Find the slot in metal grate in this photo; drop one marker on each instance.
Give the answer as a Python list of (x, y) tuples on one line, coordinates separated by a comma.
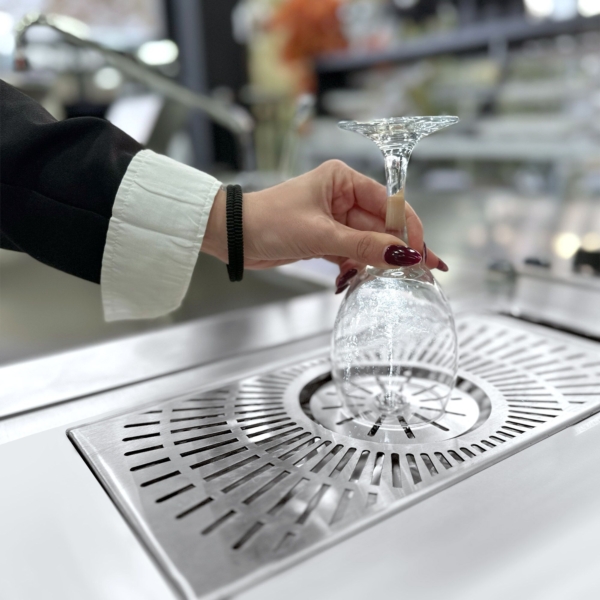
[(227, 486)]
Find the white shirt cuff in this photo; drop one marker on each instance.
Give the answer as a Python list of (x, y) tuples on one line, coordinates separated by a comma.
[(154, 236)]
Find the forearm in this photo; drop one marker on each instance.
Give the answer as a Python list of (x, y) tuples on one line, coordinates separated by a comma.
[(59, 181), (82, 196)]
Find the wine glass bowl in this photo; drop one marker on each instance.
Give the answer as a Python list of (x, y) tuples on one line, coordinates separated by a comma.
[(394, 351), (394, 348)]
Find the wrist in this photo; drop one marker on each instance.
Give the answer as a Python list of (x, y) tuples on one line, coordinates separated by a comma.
[(215, 236)]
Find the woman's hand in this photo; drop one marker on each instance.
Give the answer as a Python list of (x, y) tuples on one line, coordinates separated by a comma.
[(331, 212)]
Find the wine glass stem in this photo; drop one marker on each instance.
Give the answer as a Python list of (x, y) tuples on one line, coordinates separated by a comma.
[(396, 163)]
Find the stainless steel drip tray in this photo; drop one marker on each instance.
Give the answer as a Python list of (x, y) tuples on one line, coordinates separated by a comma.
[(227, 486)]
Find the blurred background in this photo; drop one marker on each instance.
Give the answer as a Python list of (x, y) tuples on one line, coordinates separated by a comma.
[(515, 185)]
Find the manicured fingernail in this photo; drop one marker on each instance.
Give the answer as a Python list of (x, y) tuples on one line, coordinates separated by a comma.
[(442, 266), (401, 256), (341, 288), (424, 252), (344, 278)]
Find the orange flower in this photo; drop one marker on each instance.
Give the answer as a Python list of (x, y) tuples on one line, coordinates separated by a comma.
[(313, 28)]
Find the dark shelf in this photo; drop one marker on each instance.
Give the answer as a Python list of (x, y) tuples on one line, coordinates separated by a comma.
[(465, 39)]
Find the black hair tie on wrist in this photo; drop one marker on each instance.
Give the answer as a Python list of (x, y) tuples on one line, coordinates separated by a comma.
[(235, 234)]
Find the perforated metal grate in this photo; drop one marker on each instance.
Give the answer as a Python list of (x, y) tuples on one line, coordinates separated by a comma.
[(228, 485)]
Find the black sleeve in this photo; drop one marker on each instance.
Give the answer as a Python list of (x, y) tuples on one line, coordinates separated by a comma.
[(58, 183)]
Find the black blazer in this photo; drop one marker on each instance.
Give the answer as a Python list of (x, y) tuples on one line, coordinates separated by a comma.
[(58, 183)]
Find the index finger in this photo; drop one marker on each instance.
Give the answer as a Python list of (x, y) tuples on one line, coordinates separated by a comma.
[(369, 194)]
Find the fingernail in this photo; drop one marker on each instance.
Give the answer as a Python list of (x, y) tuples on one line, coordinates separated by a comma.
[(344, 278), (341, 288), (401, 256), (424, 252), (442, 266)]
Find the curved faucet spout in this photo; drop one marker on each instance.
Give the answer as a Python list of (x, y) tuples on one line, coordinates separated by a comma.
[(234, 118)]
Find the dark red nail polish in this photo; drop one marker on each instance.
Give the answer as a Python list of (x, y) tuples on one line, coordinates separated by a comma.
[(424, 252), (442, 266), (341, 288), (344, 278), (401, 256)]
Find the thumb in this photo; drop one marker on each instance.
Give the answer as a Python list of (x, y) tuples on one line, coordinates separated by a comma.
[(368, 247)]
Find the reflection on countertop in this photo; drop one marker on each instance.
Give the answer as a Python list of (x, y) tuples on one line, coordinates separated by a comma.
[(43, 310)]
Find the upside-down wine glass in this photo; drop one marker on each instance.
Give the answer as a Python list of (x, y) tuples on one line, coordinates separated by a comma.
[(394, 350)]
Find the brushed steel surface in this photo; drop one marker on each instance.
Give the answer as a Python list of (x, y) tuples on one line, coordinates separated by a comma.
[(72, 375), (129, 397), (527, 528), (230, 485), (571, 301)]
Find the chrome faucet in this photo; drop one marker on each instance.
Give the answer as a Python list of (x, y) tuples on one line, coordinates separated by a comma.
[(233, 117)]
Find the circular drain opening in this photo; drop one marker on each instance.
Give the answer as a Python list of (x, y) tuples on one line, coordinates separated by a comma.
[(412, 398), (468, 408)]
